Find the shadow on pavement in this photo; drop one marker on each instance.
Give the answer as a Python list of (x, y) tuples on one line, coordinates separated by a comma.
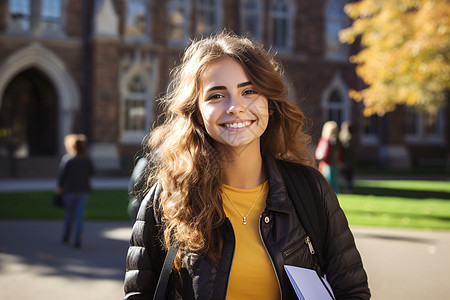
[(38, 245)]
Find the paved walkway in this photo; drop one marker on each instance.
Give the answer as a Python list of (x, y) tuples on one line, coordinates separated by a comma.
[(401, 264), (35, 265)]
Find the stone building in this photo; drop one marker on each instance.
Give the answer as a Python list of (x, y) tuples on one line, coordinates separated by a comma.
[(97, 67)]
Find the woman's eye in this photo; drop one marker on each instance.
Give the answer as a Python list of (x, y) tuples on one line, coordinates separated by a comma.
[(250, 92), (214, 97)]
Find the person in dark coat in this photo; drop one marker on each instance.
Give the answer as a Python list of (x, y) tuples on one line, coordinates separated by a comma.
[(347, 142), (216, 187), (75, 171)]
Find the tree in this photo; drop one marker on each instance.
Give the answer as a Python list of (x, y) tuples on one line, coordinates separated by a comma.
[(405, 56)]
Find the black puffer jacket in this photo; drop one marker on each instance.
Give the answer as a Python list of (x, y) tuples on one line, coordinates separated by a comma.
[(284, 239)]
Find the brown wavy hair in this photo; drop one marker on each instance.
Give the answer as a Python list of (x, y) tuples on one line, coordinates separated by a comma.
[(184, 158), (76, 144)]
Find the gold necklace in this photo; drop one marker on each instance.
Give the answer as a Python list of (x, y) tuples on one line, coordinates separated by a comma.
[(244, 219)]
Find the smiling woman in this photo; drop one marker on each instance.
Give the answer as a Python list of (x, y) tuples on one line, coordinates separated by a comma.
[(217, 188)]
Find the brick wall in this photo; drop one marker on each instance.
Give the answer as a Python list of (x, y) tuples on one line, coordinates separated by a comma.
[(105, 95)]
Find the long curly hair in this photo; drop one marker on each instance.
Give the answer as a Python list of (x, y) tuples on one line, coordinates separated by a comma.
[(184, 158)]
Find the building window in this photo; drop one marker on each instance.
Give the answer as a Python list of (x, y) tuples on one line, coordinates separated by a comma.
[(138, 77), (208, 17), (251, 18), (281, 12), (335, 102), (371, 129), (20, 14), (136, 106), (51, 15), (47, 15), (336, 20), (178, 12), (137, 19), (335, 107), (424, 127)]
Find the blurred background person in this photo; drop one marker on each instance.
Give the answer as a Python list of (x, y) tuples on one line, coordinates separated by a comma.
[(347, 145), (327, 153), (75, 171), (135, 185)]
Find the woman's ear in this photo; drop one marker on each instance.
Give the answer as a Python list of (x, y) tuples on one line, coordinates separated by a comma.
[(271, 107)]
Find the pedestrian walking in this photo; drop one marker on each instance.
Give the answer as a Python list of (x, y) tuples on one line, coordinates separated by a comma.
[(75, 171)]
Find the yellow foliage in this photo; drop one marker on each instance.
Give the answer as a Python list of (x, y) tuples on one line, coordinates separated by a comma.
[(405, 56)]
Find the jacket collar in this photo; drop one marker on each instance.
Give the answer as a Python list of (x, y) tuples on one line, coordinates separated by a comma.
[(277, 199)]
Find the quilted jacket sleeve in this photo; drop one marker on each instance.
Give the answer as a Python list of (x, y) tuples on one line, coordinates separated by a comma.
[(344, 266), (145, 256)]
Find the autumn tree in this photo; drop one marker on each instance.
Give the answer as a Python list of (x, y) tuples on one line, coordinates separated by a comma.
[(405, 53)]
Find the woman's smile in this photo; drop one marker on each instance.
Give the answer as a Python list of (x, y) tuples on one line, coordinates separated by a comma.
[(237, 124)]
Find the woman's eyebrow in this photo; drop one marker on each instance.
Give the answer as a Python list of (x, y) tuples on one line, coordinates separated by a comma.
[(244, 84), (215, 88), (221, 87)]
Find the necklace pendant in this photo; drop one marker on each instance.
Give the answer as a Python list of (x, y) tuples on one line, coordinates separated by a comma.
[(244, 221)]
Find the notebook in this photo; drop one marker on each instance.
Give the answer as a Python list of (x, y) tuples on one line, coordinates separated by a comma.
[(308, 285)]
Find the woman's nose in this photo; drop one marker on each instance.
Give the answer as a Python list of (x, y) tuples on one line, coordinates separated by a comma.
[(235, 106)]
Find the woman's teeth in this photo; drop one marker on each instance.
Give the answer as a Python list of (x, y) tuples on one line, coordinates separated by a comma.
[(238, 125)]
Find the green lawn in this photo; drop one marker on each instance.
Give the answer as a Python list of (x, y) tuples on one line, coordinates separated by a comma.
[(409, 204), (395, 203), (102, 205)]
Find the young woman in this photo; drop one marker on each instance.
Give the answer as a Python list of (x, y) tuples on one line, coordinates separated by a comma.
[(75, 171), (217, 187)]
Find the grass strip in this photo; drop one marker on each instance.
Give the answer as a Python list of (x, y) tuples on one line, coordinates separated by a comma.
[(398, 203), (383, 203), (102, 205)]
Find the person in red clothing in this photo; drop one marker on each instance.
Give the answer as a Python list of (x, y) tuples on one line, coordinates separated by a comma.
[(328, 154)]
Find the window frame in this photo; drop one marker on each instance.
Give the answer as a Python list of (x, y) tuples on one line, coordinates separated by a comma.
[(12, 27), (372, 137), (340, 20), (289, 18), (129, 97), (146, 67), (36, 19), (145, 36), (256, 13), (60, 25), (216, 9), (420, 136), (185, 6), (337, 84)]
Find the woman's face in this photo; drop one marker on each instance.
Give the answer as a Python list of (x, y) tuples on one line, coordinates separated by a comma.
[(232, 110)]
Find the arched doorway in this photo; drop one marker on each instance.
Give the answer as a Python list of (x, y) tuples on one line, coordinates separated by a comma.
[(29, 114)]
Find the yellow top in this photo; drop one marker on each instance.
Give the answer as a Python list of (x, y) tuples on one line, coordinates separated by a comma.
[(252, 273)]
